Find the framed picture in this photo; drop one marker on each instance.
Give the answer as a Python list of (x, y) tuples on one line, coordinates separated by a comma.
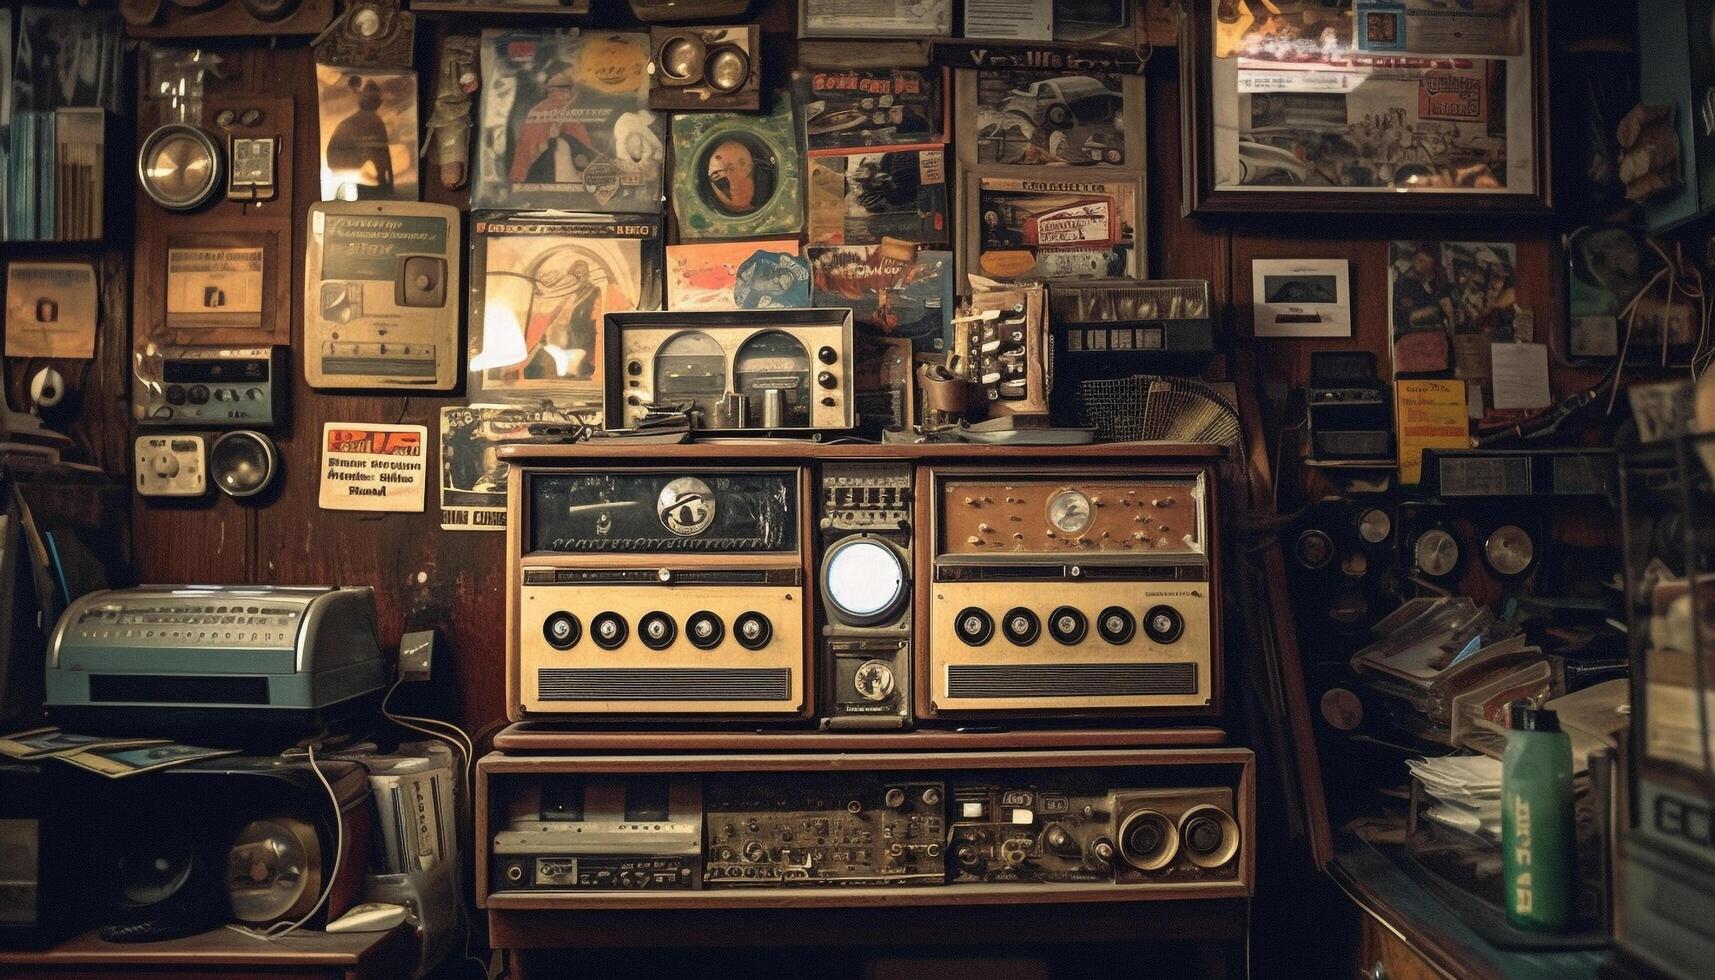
[(1365, 106), (1301, 297)]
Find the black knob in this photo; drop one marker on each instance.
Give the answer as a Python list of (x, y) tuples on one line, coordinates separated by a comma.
[(1068, 625), (1163, 624), (562, 630), (175, 395), (634, 368), (1116, 625), (1203, 835), (827, 355), (609, 631), (1057, 839), (198, 394), (974, 626), (752, 630), (1021, 626), (705, 630), (827, 380), (657, 630)]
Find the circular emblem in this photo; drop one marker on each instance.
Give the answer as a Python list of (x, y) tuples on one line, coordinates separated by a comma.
[(686, 506), (873, 680)]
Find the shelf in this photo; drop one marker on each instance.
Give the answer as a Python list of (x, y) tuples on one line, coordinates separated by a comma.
[(357, 953), (724, 760), (540, 737), (741, 448), (868, 896)]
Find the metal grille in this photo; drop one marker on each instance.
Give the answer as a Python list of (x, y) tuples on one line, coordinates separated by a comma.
[(1069, 680), (664, 684)]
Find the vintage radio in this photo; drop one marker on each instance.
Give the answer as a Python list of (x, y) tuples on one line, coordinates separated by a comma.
[(864, 581), (1001, 349), (567, 833), (172, 466), (210, 387), (1348, 409), (659, 591), (705, 68), (1069, 591), (830, 830), (746, 370), (381, 295), (1072, 833), (1115, 328), (1519, 473)]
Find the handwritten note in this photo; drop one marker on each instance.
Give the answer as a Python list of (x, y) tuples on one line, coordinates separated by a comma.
[(1428, 415), (1520, 376)]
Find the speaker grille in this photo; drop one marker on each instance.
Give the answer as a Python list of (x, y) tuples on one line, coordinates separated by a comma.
[(664, 684), (1069, 680)]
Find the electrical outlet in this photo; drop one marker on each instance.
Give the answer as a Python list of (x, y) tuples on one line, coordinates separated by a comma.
[(416, 654)]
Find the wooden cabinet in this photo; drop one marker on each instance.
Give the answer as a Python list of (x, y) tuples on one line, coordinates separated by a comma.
[(1381, 955)]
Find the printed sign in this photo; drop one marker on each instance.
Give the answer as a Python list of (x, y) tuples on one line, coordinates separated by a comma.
[(373, 467)]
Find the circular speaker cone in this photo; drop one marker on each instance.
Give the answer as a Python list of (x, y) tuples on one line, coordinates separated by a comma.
[(1210, 834), (151, 876), (179, 167), (682, 58), (1148, 840), (863, 580), (727, 69), (243, 462), (274, 870)]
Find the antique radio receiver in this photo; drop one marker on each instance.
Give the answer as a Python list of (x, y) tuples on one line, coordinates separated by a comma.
[(767, 370), (209, 387), (851, 830), (1110, 328), (1001, 348), (568, 834), (381, 297), (1069, 591), (864, 579), (658, 591), (1348, 408)]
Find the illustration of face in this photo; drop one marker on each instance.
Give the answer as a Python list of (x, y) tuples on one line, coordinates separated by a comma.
[(732, 173), (1422, 264), (580, 272)]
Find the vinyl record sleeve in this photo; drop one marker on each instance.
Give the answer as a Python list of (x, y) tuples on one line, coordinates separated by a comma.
[(893, 290), (860, 198), (737, 276), (737, 176), (565, 123), (540, 285)]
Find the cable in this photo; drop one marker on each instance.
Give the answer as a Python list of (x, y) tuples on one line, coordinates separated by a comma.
[(274, 931)]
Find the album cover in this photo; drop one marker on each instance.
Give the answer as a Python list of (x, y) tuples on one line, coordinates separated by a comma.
[(368, 133), (565, 123), (1034, 119), (540, 286), (737, 276), (473, 476), (871, 107), (862, 198), (52, 309), (737, 176), (1038, 229), (893, 290)]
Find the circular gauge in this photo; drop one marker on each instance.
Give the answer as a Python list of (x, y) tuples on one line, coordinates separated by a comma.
[(727, 69), (1314, 549), (1070, 512), (686, 506), (681, 58), (1354, 565), (863, 580), (1374, 525), (1341, 709), (273, 871), (1509, 550), (772, 370), (1436, 552), (179, 167), (873, 680)]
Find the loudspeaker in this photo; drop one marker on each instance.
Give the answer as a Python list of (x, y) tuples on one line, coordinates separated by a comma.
[(243, 463)]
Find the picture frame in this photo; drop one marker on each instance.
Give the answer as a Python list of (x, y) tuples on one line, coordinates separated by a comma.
[(1301, 297), (1393, 130)]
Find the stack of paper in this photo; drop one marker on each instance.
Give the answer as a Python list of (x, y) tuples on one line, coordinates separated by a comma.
[(1467, 791)]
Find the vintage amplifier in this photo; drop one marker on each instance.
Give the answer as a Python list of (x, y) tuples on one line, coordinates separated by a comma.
[(1115, 328), (838, 830), (233, 662), (864, 573), (210, 387), (785, 371), (1349, 410), (566, 833), (658, 591), (1069, 591), (1519, 473)]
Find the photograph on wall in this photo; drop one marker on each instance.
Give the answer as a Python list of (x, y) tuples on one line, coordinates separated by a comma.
[(862, 198), (753, 275), (871, 107), (1036, 229), (737, 175), (211, 287), (368, 133), (52, 309), (1447, 302), (1471, 27), (473, 476), (1301, 298), (565, 123), (540, 286), (1055, 120), (893, 289)]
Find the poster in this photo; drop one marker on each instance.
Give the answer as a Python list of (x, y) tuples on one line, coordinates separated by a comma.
[(893, 290), (214, 287), (1429, 414), (473, 477), (737, 276), (1447, 302), (373, 466), (871, 107), (861, 198), (51, 309), (1049, 120), (368, 133), (1054, 229)]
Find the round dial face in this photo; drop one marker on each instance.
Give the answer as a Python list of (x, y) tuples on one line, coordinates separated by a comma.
[(1070, 512), (873, 680), (686, 506), (1436, 552), (1374, 525), (864, 580), (1313, 549), (179, 167), (1509, 549)]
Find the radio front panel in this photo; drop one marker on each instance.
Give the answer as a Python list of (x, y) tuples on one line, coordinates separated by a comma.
[(1069, 516)]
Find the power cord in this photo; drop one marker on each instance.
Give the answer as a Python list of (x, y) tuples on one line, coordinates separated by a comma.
[(275, 932)]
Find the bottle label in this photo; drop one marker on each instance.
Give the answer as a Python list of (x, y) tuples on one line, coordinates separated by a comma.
[(1522, 902)]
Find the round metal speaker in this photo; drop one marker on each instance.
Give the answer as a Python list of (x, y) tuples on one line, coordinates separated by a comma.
[(682, 58), (863, 580), (179, 167), (274, 870), (243, 463), (726, 69)]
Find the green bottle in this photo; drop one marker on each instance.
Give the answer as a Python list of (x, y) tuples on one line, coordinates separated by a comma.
[(1537, 836)]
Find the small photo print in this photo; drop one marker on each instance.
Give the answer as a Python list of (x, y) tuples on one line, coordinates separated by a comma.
[(368, 134)]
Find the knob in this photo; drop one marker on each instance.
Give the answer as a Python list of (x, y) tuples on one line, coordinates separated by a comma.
[(705, 630), (562, 630), (198, 394), (1203, 835), (827, 380), (1021, 626), (1057, 839), (1101, 852), (1116, 625), (894, 798), (974, 626), (166, 465), (657, 630), (175, 395), (754, 851), (967, 856), (609, 631), (753, 630), (827, 355), (1163, 624), (1068, 625), (931, 796), (254, 394)]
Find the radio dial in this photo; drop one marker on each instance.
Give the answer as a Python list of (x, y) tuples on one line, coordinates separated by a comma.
[(705, 630), (1021, 626), (562, 630), (609, 631), (198, 394), (657, 630), (753, 630), (1068, 625), (1163, 624), (974, 626), (1116, 625)]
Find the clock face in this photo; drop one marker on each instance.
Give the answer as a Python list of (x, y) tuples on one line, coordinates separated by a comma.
[(1509, 550), (1070, 512), (1374, 525), (1436, 553)]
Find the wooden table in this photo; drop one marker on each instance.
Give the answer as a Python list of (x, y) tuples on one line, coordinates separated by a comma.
[(222, 954)]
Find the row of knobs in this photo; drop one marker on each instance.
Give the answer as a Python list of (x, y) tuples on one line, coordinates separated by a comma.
[(1069, 626), (199, 395), (657, 630)]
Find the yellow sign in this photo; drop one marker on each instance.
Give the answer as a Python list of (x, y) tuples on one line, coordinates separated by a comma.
[(1428, 415)]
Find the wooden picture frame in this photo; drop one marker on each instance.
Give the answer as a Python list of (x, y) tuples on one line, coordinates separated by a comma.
[(1442, 167)]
